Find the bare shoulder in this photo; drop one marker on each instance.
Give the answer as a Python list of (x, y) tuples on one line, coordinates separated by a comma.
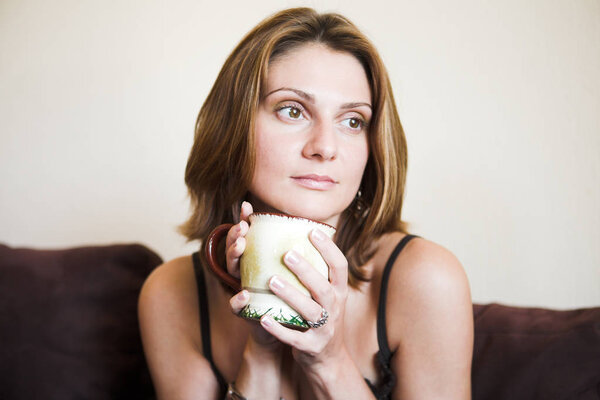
[(171, 286), (428, 283), (427, 269), (430, 320), (169, 326)]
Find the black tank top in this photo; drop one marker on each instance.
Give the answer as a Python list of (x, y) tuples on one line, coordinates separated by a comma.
[(383, 390)]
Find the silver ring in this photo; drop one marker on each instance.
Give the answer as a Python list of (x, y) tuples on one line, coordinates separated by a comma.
[(321, 321)]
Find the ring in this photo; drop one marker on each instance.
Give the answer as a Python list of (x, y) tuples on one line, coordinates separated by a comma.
[(321, 321)]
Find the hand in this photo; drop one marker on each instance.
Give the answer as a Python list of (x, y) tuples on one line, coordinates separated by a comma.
[(316, 345), (235, 246)]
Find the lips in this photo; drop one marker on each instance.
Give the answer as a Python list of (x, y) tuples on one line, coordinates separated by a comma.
[(316, 182)]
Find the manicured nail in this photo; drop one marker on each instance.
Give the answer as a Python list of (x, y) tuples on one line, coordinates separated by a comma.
[(266, 321), (243, 295), (291, 257), (245, 204), (317, 234), (276, 283)]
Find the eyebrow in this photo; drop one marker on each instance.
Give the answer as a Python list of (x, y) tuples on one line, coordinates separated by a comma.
[(310, 98)]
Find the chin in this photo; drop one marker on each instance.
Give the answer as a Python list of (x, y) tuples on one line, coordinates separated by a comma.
[(315, 212), (322, 209)]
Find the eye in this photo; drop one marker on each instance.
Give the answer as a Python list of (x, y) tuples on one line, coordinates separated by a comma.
[(290, 111), (355, 123)]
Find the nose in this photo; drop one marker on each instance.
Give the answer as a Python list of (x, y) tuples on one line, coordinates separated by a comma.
[(321, 142)]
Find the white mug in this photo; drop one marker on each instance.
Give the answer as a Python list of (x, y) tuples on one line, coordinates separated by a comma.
[(270, 236)]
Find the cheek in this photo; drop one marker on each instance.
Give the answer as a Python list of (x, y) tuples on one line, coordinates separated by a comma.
[(269, 159), (359, 161), (263, 167), (275, 150), (263, 150)]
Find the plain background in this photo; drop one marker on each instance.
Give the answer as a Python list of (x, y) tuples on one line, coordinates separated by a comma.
[(500, 102)]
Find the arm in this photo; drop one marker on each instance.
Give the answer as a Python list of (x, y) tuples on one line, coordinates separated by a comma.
[(430, 324), (172, 342), (170, 337), (321, 352), (259, 375), (168, 315)]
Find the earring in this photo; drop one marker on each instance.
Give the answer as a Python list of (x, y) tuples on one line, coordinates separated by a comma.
[(359, 201), (360, 208)]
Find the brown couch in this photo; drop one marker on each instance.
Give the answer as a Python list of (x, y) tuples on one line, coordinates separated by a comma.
[(68, 330), (535, 353)]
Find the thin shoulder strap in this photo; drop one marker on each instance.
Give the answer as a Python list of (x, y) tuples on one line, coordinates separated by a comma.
[(382, 339), (204, 317)]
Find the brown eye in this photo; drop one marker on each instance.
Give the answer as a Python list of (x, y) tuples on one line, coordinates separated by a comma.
[(354, 123), (290, 112), (294, 113)]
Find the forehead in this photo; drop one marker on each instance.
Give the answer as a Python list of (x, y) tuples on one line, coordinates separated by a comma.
[(317, 69)]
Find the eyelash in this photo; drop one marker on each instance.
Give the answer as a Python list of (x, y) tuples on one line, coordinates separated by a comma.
[(362, 122), (291, 106)]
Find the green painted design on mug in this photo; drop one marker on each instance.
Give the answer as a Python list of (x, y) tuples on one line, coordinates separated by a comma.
[(294, 320)]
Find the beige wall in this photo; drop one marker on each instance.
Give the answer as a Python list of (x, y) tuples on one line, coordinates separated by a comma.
[(500, 101)]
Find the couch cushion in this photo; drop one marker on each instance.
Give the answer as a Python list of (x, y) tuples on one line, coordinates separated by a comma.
[(69, 325), (535, 353)]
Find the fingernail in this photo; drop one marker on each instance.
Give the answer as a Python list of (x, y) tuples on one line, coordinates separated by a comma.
[(291, 257), (317, 234), (276, 283), (266, 321), (243, 295)]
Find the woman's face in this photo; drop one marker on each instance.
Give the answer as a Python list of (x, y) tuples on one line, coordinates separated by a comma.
[(311, 134)]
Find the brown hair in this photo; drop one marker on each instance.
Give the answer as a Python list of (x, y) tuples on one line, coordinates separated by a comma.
[(221, 163)]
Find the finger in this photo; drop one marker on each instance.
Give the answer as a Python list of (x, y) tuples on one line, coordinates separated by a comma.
[(333, 256), (285, 335), (245, 211), (300, 302), (239, 301), (233, 254), (235, 232), (317, 284)]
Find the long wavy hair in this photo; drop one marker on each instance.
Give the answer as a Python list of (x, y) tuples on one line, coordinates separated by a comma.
[(221, 162)]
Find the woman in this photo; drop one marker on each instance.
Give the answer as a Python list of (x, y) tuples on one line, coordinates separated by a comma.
[(301, 120)]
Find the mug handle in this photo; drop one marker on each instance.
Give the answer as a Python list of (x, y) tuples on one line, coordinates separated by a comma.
[(210, 251)]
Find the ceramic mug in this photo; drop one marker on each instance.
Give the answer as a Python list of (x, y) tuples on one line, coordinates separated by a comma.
[(270, 236)]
